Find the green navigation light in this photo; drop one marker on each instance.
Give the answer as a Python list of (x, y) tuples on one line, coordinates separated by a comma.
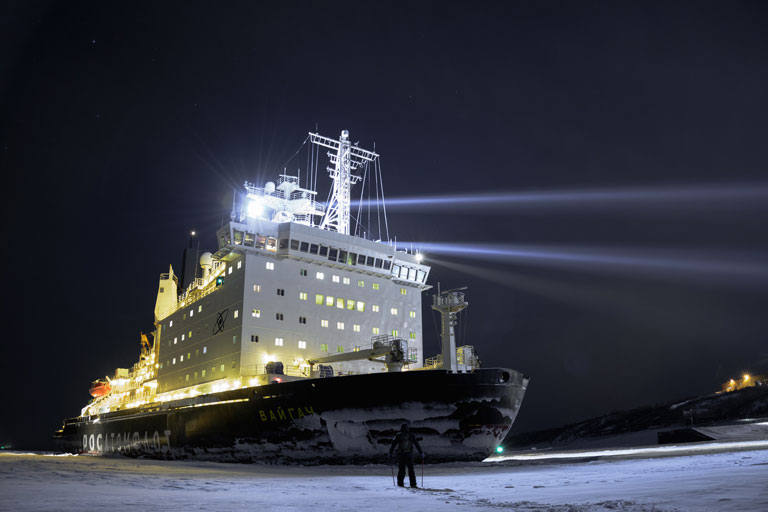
[(219, 281), (499, 449)]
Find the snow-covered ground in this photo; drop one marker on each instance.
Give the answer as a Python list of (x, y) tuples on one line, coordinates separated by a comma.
[(724, 480)]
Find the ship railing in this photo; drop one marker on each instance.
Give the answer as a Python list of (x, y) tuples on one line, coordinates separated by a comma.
[(434, 362)]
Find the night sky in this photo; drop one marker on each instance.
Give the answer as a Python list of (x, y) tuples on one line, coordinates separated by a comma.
[(124, 125)]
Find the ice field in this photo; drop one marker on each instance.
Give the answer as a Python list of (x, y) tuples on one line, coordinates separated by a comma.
[(685, 480)]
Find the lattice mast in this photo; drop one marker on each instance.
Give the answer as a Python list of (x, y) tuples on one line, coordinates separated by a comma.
[(347, 158)]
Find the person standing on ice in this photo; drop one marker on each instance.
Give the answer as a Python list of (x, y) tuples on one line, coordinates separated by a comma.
[(404, 443)]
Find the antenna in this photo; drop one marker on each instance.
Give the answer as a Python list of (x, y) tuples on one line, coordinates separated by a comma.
[(345, 159)]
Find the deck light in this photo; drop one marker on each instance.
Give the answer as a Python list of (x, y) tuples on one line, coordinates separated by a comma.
[(255, 208)]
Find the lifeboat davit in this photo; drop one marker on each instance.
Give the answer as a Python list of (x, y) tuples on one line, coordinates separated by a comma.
[(100, 388)]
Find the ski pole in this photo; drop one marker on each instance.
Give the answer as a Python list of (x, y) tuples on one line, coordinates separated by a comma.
[(422, 470), (392, 467)]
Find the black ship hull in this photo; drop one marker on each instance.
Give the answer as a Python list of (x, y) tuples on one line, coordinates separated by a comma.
[(456, 416)]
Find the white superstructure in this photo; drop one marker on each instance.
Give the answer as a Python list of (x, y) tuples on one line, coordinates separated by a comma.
[(289, 284)]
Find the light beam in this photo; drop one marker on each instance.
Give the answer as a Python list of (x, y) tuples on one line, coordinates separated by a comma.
[(733, 195), (670, 263)]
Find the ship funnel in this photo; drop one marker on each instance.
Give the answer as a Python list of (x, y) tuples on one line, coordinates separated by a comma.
[(167, 295), (206, 261)]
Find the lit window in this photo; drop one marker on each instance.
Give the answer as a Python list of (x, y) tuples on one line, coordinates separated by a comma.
[(202, 373), (319, 299), (375, 330), (413, 335), (403, 291), (323, 347), (229, 271), (302, 295), (279, 342), (256, 313), (181, 358), (170, 324), (335, 279), (239, 264), (189, 355), (222, 367), (270, 265), (361, 306), (187, 378), (329, 301), (375, 308), (257, 288), (182, 337), (175, 340), (205, 350), (174, 360), (412, 314), (191, 313), (361, 284), (237, 313), (302, 344), (339, 348), (350, 304), (200, 308), (375, 286), (345, 280), (393, 311), (323, 323), (234, 339), (340, 303), (189, 334), (320, 275), (356, 327), (394, 332), (340, 325)]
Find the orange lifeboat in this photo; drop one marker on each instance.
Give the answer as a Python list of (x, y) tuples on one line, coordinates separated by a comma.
[(100, 387)]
